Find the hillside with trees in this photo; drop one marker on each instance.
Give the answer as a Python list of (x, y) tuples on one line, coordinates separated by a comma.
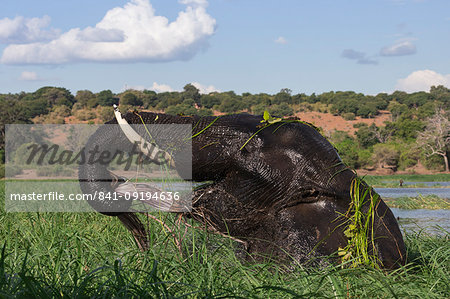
[(413, 136)]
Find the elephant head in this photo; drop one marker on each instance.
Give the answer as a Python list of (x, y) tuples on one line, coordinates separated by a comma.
[(281, 188)]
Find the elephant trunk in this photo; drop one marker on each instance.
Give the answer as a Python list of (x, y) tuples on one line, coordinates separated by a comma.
[(385, 238)]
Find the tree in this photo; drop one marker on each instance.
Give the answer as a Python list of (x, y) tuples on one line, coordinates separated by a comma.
[(230, 103), (282, 109), (299, 98), (396, 109), (442, 94), (367, 110), (56, 96), (104, 98), (12, 113), (284, 96), (150, 99), (191, 92), (83, 97), (408, 127), (106, 113), (416, 99), (209, 100), (36, 107), (131, 99), (347, 149), (366, 136), (435, 139), (383, 134), (386, 156)]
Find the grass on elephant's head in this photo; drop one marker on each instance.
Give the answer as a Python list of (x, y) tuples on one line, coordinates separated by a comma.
[(91, 255), (359, 223)]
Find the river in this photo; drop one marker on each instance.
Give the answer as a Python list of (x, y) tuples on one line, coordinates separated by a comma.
[(428, 221), (436, 222)]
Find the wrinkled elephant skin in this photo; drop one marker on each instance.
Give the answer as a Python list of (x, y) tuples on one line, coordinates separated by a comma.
[(283, 193)]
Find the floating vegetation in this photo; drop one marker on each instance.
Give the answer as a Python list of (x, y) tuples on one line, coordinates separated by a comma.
[(431, 202)]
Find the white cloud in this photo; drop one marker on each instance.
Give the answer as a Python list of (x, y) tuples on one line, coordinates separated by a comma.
[(195, 2), (22, 30), (155, 87), (161, 87), (422, 80), (101, 35), (29, 76), (130, 33), (205, 89), (281, 40), (400, 48)]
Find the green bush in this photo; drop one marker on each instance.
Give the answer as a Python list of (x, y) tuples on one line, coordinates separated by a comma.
[(434, 162), (281, 110), (106, 113), (349, 116), (348, 151), (304, 107), (258, 109), (131, 99), (125, 108), (366, 136), (62, 111), (367, 110), (10, 170), (56, 170), (20, 155), (320, 107), (409, 155), (365, 158), (84, 115), (386, 155), (204, 112)]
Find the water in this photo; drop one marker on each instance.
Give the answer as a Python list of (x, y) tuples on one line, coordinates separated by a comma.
[(428, 221), (428, 184), (412, 192), (423, 220)]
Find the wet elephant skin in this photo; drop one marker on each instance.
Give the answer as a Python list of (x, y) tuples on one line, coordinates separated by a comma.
[(283, 193)]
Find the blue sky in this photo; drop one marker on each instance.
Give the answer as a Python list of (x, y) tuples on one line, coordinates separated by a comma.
[(246, 45)]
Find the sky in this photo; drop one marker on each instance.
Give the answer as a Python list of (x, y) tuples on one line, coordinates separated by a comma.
[(309, 46)]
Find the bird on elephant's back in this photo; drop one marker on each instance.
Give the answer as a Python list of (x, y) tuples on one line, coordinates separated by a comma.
[(280, 187)]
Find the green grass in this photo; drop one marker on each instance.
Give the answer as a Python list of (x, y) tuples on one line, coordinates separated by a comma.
[(393, 180), (359, 227), (430, 202), (89, 255)]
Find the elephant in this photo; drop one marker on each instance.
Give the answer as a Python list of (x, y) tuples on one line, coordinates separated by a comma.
[(281, 187)]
